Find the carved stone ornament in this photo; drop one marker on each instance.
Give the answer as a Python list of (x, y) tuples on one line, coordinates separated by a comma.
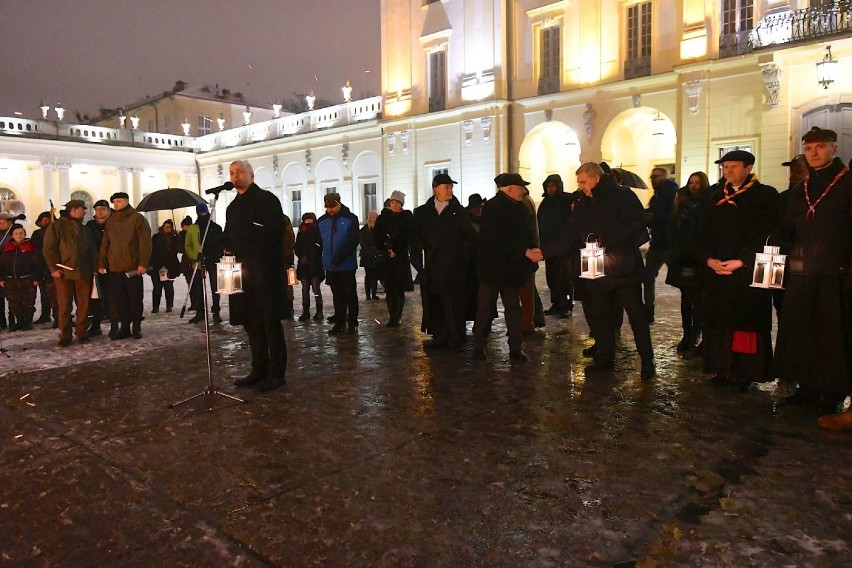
[(485, 121), (403, 136), (391, 138), (589, 116), (467, 126), (772, 80), (693, 93)]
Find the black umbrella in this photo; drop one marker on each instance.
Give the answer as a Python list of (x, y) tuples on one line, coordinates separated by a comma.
[(169, 199), (630, 179)]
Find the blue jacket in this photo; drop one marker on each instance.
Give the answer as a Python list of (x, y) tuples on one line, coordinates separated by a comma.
[(339, 240)]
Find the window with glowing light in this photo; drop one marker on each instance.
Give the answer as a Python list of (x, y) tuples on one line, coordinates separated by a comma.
[(638, 60), (368, 190), (6, 193), (549, 59), (736, 22), (296, 200), (86, 198)]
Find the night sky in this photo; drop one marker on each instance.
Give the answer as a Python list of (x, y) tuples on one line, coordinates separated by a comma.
[(92, 53)]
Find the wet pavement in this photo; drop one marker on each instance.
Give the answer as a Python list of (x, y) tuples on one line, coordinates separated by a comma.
[(376, 453)]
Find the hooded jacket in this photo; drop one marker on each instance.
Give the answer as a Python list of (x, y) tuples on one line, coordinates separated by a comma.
[(339, 240), (554, 211)]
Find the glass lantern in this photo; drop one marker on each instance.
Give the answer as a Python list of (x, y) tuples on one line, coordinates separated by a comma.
[(592, 261), (769, 269), (229, 276)]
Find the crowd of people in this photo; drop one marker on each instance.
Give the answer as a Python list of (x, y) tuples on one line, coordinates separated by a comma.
[(465, 257)]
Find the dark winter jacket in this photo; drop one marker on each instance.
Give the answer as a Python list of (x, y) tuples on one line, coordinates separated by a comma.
[(447, 241), (164, 249), (21, 260), (254, 230), (393, 233), (507, 231), (615, 217), (127, 241), (339, 240), (308, 251), (685, 229), (554, 211), (367, 250), (659, 211)]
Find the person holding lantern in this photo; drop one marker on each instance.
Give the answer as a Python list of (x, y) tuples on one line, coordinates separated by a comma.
[(816, 319), (739, 217), (254, 233), (615, 218)]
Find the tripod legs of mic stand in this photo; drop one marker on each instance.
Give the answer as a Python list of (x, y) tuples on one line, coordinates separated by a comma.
[(210, 390)]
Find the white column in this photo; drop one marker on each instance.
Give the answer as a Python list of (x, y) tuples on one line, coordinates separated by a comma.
[(64, 183), (47, 180), (36, 200), (136, 192), (124, 179)]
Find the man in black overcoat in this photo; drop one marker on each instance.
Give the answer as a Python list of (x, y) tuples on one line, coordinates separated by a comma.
[(441, 229), (254, 232), (815, 326), (553, 214), (506, 257), (616, 219)]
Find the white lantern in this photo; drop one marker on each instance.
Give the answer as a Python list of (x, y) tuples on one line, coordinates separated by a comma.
[(592, 261), (769, 269), (229, 276), (291, 277)]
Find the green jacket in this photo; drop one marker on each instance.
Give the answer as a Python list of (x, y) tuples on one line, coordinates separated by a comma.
[(68, 242), (127, 241)]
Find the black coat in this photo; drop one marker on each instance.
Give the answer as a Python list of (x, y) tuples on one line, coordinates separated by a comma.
[(738, 231), (447, 241), (393, 233), (164, 249), (686, 266), (254, 232), (614, 216), (308, 251), (367, 244), (507, 231), (553, 211)]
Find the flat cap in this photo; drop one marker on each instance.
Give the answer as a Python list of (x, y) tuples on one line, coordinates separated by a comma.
[(74, 203), (101, 203), (817, 134), (118, 195), (507, 179), (331, 199), (737, 156), (442, 179)]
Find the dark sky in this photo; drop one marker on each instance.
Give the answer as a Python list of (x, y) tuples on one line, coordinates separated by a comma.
[(92, 53)]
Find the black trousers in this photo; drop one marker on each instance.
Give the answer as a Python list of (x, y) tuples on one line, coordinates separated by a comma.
[(268, 348), (344, 292), (511, 296), (446, 316), (606, 315), (196, 294), (160, 286), (126, 297)]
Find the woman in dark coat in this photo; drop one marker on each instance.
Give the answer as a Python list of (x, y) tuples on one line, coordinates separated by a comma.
[(165, 266), (391, 237), (685, 270), (309, 271), (739, 217), (369, 261)]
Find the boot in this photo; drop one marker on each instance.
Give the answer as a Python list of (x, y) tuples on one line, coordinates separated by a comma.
[(306, 313), (686, 341), (13, 323), (44, 317), (318, 316), (137, 330), (123, 331), (113, 331), (27, 322)]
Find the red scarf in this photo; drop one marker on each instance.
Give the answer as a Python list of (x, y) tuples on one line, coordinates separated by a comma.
[(730, 193), (812, 207)]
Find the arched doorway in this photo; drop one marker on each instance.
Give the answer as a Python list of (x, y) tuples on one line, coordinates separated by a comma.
[(86, 198), (549, 148), (639, 140), (833, 117)]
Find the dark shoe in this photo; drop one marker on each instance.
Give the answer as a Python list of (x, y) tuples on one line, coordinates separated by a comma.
[(591, 351), (82, 339), (95, 331), (393, 323), (649, 370), (330, 319), (600, 367), (248, 380), (14, 324), (270, 383), (352, 330), (518, 356), (565, 314), (64, 342), (684, 344), (199, 317), (552, 310), (155, 311), (113, 331), (168, 309), (137, 330), (217, 318), (192, 309), (306, 316), (336, 330), (435, 344), (44, 318), (318, 316), (123, 332), (479, 354)]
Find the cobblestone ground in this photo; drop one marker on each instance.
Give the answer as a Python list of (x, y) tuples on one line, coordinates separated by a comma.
[(378, 454)]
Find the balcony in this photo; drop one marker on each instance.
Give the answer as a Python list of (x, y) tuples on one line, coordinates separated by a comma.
[(737, 43), (637, 67), (808, 23)]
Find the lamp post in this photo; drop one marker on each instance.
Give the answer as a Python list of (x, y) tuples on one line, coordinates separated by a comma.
[(826, 69)]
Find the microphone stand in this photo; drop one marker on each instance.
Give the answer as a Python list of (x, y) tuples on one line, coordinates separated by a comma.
[(3, 350), (202, 268)]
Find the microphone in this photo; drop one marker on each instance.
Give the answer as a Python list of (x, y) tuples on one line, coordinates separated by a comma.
[(227, 186)]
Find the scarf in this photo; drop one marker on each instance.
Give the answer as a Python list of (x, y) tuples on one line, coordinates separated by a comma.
[(730, 193)]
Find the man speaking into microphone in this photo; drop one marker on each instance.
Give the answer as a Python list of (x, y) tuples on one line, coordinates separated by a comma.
[(254, 233)]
